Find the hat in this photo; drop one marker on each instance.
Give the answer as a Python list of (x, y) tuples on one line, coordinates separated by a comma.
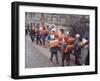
[(68, 33), (53, 29), (52, 37), (78, 36)]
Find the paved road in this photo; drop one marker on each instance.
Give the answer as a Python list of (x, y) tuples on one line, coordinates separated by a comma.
[(38, 56)]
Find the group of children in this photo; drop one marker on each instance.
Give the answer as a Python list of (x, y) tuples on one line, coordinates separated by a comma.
[(61, 42)]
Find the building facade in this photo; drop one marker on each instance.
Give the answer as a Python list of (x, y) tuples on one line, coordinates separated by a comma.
[(68, 22)]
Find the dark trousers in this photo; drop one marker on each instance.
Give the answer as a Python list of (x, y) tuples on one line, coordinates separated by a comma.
[(32, 37), (77, 53), (56, 55), (54, 52), (87, 61), (77, 59), (38, 40), (26, 32), (43, 39), (66, 56)]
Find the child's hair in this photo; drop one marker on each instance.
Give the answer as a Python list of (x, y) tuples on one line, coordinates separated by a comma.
[(43, 28), (62, 30)]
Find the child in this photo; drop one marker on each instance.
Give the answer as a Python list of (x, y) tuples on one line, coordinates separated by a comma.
[(54, 45), (77, 49)]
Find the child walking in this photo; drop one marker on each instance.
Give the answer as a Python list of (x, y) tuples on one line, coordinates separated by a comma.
[(54, 47)]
